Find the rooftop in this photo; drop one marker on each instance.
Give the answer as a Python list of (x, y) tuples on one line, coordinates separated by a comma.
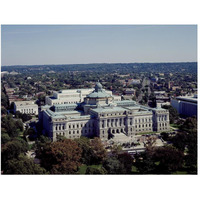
[(187, 98)]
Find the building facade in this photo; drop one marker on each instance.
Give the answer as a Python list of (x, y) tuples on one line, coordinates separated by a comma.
[(71, 96), (101, 116), (185, 105), (28, 107)]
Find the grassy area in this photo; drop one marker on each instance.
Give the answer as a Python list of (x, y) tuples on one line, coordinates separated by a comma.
[(180, 172), (175, 125), (134, 170), (146, 133), (83, 168)]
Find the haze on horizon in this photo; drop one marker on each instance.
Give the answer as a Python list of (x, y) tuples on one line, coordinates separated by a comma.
[(83, 44)]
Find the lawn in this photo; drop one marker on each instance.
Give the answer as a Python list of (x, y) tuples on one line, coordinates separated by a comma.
[(150, 133), (134, 170), (175, 125), (83, 168)]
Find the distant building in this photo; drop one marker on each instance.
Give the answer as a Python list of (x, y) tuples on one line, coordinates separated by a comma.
[(174, 88), (129, 91), (28, 107), (4, 73), (101, 116), (185, 105), (135, 81), (13, 73), (159, 93), (154, 79)]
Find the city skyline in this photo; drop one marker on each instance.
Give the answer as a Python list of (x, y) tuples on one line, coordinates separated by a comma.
[(83, 44)]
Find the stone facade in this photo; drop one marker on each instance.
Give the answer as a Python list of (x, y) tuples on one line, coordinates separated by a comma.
[(101, 116), (28, 107)]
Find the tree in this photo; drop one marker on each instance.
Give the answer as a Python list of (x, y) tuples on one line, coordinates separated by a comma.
[(173, 114), (116, 149), (61, 157), (112, 165), (190, 126), (9, 125), (23, 165), (25, 117), (4, 138), (169, 158), (126, 162), (119, 164), (145, 163), (87, 151), (42, 144), (165, 136), (180, 141), (3, 111), (19, 125), (94, 170), (12, 149), (99, 152), (31, 133)]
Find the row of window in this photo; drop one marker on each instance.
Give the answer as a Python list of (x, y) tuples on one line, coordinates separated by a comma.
[(72, 126), (143, 125), (147, 129), (112, 114), (162, 118), (27, 110), (80, 131), (143, 120), (65, 102), (60, 127), (162, 124)]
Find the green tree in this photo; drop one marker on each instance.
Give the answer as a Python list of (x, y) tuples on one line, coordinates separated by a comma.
[(180, 141), (4, 138), (126, 162), (173, 114), (190, 126), (87, 151), (23, 165), (94, 170), (12, 149), (3, 111), (145, 163), (9, 125), (112, 165), (170, 159)]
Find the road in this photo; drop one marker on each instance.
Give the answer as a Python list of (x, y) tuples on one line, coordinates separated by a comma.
[(144, 83)]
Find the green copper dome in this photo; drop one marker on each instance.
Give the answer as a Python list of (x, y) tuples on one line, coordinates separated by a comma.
[(98, 92)]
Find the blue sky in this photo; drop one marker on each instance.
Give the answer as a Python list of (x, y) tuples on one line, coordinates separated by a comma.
[(76, 44)]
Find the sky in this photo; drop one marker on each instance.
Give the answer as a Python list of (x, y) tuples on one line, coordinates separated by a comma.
[(80, 44)]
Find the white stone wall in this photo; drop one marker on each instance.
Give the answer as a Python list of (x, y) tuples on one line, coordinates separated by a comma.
[(26, 107)]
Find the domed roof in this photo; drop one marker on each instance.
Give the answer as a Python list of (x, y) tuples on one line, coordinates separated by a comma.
[(99, 92), (98, 86)]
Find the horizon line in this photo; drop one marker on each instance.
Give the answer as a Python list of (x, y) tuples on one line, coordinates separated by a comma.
[(99, 63)]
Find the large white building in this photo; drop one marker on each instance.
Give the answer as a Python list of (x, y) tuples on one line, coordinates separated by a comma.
[(185, 105), (101, 116), (72, 96), (28, 107)]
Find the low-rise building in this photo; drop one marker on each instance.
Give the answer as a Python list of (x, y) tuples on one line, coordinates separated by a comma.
[(28, 107)]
